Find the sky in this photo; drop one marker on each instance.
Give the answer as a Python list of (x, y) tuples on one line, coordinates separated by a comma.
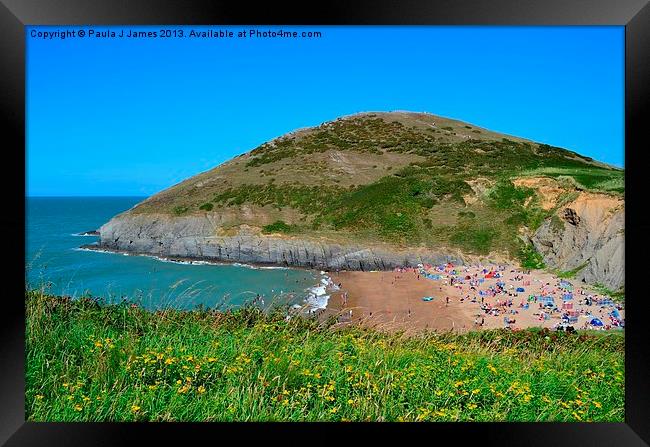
[(133, 116)]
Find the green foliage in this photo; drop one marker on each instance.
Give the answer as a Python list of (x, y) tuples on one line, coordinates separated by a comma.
[(474, 239), (505, 195), (89, 362), (570, 274), (530, 258), (206, 206), (180, 210), (308, 199), (394, 204), (279, 227)]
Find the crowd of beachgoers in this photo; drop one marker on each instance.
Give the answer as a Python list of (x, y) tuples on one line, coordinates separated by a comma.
[(472, 297)]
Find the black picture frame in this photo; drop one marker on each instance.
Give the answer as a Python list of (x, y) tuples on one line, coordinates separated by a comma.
[(633, 14)]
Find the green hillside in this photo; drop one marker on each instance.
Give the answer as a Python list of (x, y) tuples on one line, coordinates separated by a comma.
[(407, 179)]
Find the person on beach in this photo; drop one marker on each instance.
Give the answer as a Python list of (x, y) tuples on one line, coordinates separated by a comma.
[(446, 301)]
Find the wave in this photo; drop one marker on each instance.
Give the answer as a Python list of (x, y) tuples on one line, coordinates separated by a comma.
[(318, 296)]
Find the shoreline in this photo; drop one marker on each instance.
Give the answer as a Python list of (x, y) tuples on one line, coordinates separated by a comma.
[(311, 299), (391, 300)]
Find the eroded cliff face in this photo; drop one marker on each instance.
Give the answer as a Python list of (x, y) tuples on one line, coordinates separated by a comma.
[(587, 233), (202, 237)]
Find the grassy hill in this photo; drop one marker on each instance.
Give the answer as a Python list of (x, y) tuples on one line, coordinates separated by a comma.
[(91, 362), (409, 179)]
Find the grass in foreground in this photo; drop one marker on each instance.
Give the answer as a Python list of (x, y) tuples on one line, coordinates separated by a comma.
[(88, 362)]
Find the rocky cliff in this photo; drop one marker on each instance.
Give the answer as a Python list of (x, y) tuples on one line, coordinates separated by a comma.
[(197, 237), (587, 236)]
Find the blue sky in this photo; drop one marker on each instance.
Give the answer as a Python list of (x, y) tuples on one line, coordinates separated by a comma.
[(134, 116)]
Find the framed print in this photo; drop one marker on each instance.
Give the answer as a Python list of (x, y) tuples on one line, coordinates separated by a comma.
[(360, 216)]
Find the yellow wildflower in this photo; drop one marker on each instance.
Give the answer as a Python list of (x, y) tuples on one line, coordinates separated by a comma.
[(135, 408), (201, 389)]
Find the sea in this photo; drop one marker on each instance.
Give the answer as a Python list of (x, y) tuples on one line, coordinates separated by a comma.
[(55, 261)]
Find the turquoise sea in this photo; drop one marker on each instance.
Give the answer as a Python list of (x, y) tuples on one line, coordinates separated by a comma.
[(54, 260)]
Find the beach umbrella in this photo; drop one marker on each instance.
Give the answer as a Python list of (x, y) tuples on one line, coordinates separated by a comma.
[(596, 322)]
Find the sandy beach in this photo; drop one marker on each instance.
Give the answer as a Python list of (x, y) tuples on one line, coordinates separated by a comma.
[(393, 300)]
